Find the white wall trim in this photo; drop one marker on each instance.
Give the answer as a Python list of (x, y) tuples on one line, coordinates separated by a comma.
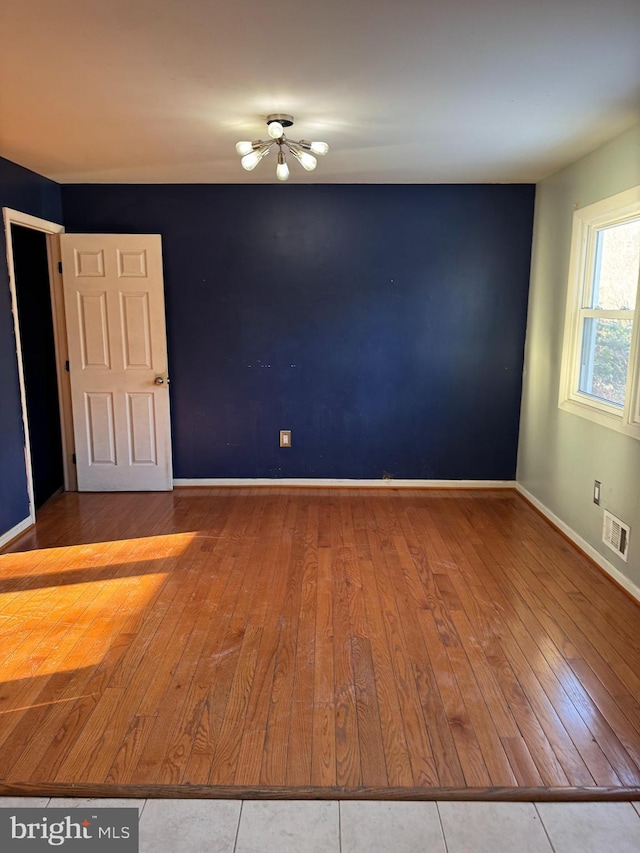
[(587, 220), (15, 531), (17, 217), (348, 484), (582, 544), (51, 230)]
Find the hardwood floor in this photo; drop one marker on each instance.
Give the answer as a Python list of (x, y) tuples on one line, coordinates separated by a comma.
[(313, 642)]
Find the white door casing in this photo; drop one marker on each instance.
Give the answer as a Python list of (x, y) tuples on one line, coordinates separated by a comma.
[(114, 303)]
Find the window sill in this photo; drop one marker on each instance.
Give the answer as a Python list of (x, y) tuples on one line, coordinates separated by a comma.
[(601, 417)]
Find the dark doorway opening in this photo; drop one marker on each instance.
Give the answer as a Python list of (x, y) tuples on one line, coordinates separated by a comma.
[(35, 319)]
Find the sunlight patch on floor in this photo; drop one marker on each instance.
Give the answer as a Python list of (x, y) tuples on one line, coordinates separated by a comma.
[(69, 626), (94, 554)]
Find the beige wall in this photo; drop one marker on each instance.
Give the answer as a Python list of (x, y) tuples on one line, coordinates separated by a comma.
[(561, 454)]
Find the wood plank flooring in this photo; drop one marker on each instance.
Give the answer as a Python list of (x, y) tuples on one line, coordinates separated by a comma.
[(313, 642)]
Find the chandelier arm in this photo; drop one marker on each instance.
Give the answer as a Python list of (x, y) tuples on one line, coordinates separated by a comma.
[(260, 145), (295, 148), (292, 146)]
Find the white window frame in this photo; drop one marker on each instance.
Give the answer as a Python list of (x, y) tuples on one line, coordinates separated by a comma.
[(586, 222)]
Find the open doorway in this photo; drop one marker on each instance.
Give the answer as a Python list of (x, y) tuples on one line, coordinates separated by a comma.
[(35, 320), (33, 257)]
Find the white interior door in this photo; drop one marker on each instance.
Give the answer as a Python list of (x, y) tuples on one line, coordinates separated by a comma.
[(114, 305)]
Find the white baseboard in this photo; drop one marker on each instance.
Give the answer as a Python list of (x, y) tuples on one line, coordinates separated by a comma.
[(15, 531), (349, 484), (588, 549)]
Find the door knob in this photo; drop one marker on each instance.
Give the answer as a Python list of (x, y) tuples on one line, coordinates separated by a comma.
[(159, 380)]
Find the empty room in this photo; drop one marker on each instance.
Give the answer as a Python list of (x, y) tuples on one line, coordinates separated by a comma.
[(320, 421)]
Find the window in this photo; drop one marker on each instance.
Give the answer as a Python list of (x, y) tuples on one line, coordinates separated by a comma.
[(601, 355)]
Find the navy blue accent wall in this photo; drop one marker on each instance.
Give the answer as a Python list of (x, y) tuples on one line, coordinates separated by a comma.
[(27, 192), (384, 325)]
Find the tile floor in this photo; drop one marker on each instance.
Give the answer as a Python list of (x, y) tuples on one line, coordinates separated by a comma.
[(297, 826)]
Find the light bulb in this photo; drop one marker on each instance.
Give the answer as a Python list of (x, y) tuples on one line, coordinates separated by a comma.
[(282, 170), (307, 161), (244, 147), (320, 148), (251, 160), (275, 130)]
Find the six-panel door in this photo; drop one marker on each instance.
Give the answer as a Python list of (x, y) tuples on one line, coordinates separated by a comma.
[(114, 305)]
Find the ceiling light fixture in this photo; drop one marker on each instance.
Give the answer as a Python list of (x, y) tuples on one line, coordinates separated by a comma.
[(303, 150)]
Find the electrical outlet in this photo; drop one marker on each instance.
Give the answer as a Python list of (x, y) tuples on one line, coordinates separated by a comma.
[(597, 485), (285, 438)]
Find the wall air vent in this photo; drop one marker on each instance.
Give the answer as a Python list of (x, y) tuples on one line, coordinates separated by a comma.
[(615, 534)]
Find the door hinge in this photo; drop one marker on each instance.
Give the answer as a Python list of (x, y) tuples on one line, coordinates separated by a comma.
[(60, 267), (73, 459), (66, 365)]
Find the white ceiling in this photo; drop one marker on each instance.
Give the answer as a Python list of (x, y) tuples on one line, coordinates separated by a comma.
[(412, 91)]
